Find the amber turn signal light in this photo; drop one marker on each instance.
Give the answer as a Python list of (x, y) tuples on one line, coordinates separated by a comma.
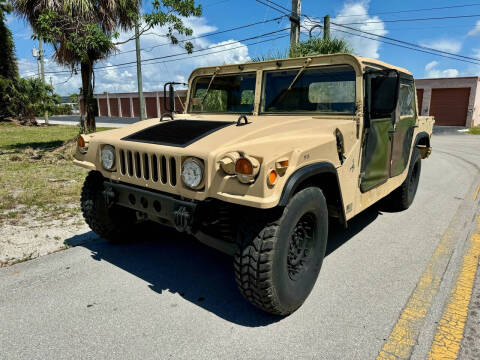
[(80, 141), (244, 166), (272, 177)]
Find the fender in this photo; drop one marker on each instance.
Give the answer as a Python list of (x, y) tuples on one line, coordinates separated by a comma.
[(424, 149), (421, 135), (307, 172)]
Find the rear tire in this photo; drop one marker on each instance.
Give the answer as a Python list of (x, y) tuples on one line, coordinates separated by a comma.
[(401, 198), (113, 223), (279, 258)]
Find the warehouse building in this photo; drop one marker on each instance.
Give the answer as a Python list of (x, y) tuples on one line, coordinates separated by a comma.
[(128, 104), (453, 101)]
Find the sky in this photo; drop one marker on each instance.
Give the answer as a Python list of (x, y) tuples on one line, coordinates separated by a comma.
[(458, 36)]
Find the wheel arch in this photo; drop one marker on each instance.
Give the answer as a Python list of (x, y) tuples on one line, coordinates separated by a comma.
[(322, 175), (422, 138)]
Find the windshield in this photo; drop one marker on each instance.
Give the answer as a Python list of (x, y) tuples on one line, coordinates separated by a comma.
[(322, 90), (226, 94)]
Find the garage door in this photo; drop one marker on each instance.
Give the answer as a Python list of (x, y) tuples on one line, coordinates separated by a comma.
[(449, 106), (420, 100)]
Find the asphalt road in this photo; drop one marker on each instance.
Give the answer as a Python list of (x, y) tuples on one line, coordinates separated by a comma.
[(167, 296)]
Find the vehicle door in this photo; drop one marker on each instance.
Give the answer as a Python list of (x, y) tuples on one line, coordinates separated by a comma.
[(405, 121), (381, 95)]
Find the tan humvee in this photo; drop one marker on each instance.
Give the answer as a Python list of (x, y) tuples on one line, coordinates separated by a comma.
[(265, 154)]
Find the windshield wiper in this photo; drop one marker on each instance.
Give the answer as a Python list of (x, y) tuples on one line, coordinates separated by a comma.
[(284, 93), (210, 84), (300, 72)]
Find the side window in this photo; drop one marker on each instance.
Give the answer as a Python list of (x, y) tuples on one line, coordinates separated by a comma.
[(406, 100)]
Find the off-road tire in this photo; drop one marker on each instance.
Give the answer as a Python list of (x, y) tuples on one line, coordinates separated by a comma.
[(115, 223), (262, 263), (401, 198)]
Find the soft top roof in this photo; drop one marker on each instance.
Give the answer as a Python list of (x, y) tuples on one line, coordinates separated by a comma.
[(329, 59)]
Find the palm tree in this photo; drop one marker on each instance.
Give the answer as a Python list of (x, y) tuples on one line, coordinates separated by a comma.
[(80, 32), (312, 46)]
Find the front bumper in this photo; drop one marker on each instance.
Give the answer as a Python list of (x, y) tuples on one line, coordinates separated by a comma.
[(158, 207)]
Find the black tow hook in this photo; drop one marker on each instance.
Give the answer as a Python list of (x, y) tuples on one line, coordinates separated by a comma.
[(183, 219)]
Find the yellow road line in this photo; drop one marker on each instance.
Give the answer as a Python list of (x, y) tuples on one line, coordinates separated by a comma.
[(476, 193), (402, 339), (449, 334)]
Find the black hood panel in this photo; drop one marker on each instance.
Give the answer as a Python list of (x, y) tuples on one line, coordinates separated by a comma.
[(180, 133)]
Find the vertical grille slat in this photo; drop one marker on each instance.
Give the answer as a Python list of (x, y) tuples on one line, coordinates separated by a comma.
[(138, 166), (122, 163), (130, 163), (173, 171), (164, 169), (154, 168), (146, 167)]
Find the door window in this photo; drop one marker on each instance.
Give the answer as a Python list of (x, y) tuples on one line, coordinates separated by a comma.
[(406, 101)]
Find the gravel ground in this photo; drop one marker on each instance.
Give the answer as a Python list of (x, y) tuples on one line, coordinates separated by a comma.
[(24, 242)]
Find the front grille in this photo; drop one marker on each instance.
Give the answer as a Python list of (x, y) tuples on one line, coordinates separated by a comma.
[(157, 168)]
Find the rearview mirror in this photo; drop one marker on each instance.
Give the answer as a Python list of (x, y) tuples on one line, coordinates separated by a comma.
[(383, 93), (171, 98)]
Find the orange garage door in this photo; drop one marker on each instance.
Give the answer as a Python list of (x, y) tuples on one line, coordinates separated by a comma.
[(449, 106)]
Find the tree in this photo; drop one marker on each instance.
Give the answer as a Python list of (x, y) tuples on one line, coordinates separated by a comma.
[(8, 64), (84, 31), (33, 97), (312, 46), (318, 45), (73, 98)]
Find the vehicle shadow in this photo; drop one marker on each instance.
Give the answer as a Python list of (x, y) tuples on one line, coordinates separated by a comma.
[(179, 264)]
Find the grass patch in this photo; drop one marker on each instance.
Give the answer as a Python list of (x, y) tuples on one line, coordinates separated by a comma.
[(37, 173), (474, 130)]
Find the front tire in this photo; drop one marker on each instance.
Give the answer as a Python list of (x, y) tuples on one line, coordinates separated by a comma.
[(113, 223), (278, 259)]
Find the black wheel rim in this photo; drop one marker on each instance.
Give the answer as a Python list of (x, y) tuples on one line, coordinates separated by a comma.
[(302, 239)]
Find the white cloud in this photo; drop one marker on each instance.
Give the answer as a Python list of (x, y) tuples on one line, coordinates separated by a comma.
[(358, 12), (475, 30), (431, 71), (124, 79), (448, 45)]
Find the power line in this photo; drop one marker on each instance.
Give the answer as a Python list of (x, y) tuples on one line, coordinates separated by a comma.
[(413, 10), (278, 5), (206, 35), (179, 54), (274, 8), (407, 47), (408, 43), (182, 53), (417, 19), (191, 56)]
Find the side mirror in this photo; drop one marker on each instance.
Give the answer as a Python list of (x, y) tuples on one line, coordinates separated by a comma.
[(171, 97), (383, 89)]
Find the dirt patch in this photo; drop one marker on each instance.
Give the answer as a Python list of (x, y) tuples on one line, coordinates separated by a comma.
[(41, 236)]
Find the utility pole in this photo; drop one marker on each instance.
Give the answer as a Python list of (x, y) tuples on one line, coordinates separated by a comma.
[(295, 22), (326, 27), (141, 99), (42, 70)]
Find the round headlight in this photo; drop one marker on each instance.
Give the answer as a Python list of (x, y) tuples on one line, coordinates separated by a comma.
[(108, 157), (192, 173)]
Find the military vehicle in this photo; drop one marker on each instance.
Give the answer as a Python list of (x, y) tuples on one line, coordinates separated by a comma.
[(264, 157)]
